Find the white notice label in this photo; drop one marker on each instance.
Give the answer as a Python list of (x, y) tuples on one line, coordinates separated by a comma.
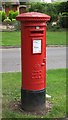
[(36, 46)]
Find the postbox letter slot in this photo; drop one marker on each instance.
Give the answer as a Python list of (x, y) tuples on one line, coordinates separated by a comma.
[(36, 32)]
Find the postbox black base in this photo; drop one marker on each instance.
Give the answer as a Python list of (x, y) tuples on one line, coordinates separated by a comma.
[(33, 100)]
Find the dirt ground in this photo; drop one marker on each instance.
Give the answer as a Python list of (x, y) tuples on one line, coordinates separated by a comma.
[(16, 107)]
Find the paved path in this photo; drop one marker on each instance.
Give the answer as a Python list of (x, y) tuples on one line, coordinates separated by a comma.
[(56, 58)]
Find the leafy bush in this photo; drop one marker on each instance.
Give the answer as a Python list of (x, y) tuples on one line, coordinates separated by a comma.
[(10, 14), (13, 20), (3, 16), (7, 21), (0, 16), (54, 27), (15, 14)]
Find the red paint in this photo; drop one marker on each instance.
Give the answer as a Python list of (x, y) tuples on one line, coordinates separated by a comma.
[(33, 64)]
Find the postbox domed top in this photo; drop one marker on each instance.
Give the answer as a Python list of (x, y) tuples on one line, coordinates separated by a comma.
[(29, 16)]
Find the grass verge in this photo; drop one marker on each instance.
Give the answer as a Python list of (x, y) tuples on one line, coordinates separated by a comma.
[(56, 87), (11, 38), (14, 39), (56, 38)]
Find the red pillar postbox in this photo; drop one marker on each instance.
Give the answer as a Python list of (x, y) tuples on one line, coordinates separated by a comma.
[(33, 57)]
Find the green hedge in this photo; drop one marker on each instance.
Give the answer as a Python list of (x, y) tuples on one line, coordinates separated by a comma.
[(63, 20), (62, 7), (52, 9)]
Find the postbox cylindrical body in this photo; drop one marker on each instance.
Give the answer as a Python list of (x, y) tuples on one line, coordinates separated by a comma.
[(33, 57)]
